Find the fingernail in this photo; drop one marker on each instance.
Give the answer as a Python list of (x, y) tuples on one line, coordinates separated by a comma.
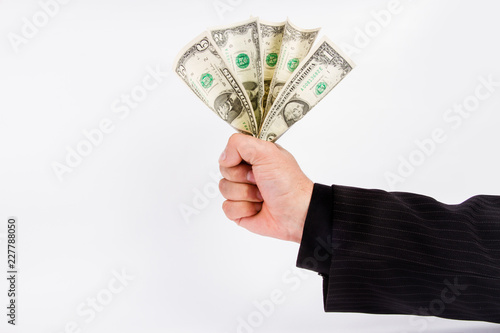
[(222, 156), (250, 177)]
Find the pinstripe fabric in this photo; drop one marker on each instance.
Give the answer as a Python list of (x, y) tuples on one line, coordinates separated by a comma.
[(403, 253)]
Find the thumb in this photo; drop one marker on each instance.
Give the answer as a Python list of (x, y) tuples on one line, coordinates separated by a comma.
[(242, 147)]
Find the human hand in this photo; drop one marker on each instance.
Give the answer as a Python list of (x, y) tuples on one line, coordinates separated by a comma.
[(266, 191)]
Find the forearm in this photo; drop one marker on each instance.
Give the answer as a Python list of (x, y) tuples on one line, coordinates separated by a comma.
[(405, 253)]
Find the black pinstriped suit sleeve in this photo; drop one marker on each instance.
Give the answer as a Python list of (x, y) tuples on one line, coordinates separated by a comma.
[(401, 253)]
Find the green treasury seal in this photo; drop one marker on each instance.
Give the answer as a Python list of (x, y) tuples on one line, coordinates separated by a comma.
[(242, 60), (206, 80), (320, 88), (271, 59)]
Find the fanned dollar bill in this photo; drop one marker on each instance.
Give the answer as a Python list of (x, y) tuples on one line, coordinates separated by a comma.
[(226, 68), (204, 70), (320, 71), (240, 46), (271, 36), (295, 45)]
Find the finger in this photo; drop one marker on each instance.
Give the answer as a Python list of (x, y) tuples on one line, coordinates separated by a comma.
[(238, 174), (239, 191), (235, 210), (241, 147)]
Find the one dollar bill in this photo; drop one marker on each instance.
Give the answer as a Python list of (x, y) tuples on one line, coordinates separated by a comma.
[(271, 36), (204, 70), (240, 46), (295, 46), (320, 71)]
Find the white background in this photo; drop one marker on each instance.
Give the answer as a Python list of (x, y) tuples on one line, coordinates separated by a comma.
[(120, 208)]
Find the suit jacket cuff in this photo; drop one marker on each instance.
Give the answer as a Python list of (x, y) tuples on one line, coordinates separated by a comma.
[(315, 252)]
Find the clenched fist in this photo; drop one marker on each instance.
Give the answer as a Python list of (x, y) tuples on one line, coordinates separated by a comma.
[(266, 191)]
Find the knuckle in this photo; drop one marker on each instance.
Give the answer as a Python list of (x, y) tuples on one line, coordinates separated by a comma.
[(222, 185), (250, 152), (226, 205), (249, 209), (232, 173), (222, 170), (235, 174), (233, 139), (272, 148), (247, 191)]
